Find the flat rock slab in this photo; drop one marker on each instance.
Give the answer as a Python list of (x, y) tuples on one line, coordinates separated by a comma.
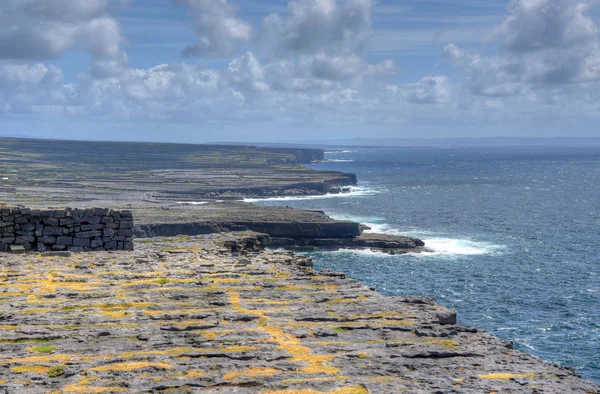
[(183, 315)]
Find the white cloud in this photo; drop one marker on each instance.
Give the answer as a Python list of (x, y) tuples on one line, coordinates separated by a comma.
[(546, 43), (45, 29), (220, 31), (429, 90), (314, 26)]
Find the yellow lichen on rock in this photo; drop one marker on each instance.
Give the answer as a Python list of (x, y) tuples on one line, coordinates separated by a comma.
[(132, 366), (30, 368), (507, 376), (251, 373)]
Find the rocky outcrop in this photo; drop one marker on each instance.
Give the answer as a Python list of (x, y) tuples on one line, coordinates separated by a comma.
[(330, 235), (79, 230), (377, 242), (219, 314)]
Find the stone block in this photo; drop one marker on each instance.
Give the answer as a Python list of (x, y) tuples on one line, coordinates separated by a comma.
[(28, 227), (88, 227), (67, 241), (76, 249), (125, 233), (51, 222), (119, 245), (59, 247), (48, 239), (16, 211), (126, 225), (24, 239), (93, 220), (21, 220), (112, 245), (96, 244), (41, 247), (109, 232), (81, 242), (53, 231), (89, 234), (66, 222), (16, 249), (98, 212), (128, 245), (107, 219)]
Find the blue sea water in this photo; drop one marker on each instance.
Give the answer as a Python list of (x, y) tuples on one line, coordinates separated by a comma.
[(515, 233)]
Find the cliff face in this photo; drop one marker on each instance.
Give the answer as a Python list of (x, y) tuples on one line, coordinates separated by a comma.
[(219, 314)]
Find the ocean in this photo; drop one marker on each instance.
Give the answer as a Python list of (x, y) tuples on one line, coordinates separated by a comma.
[(515, 234)]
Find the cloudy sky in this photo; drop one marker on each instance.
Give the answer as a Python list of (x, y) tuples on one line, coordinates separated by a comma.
[(277, 70)]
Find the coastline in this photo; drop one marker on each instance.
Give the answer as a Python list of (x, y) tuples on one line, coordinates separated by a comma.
[(219, 313), (222, 214)]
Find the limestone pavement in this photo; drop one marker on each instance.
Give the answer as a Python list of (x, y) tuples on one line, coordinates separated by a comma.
[(219, 314)]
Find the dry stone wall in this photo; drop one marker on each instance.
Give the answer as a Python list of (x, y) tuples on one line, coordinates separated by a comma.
[(75, 230)]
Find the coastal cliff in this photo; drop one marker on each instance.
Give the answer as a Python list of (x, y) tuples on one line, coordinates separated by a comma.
[(220, 314)]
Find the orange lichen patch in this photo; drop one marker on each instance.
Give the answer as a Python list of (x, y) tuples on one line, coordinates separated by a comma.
[(76, 388), (459, 380), (251, 373), (308, 380), (383, 379), (9, 328), (12, 294), (266, 301), (61, 358), (194, 374), (133, 366), (447, 343), (30, 368), (115, 315), (3, 381), (507, 376), (289, 343), (34, 311)]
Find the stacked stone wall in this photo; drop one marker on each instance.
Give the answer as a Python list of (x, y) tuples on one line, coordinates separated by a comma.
[(75, 230)]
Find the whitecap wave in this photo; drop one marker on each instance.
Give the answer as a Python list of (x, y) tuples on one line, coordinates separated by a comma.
[(192, 202), (436, 244), (339, 160), (355, 191)]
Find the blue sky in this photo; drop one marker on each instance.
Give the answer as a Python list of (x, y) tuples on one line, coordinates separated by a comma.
[(277, 70)]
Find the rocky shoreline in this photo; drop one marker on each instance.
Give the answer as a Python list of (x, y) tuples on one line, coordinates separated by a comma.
[(208, 308), (219, 314)]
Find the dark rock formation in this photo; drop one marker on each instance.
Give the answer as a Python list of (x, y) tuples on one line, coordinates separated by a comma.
[(77, 230)]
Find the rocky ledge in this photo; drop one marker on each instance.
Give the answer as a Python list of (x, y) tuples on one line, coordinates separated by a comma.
[(218, 314)]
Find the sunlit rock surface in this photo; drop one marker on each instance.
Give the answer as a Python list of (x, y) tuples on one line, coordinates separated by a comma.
[(216, 313)]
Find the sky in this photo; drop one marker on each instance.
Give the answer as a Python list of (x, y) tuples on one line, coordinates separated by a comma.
[(293, 70)]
